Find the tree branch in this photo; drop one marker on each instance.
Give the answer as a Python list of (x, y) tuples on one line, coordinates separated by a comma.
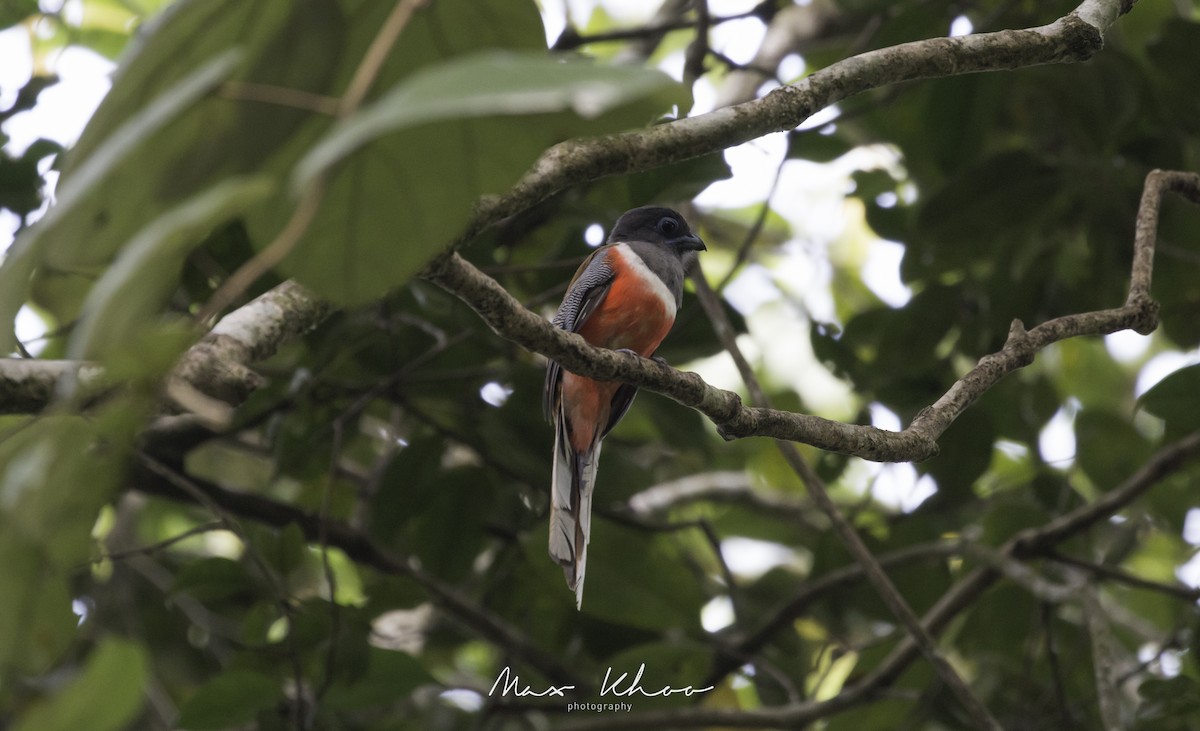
[(718, 487), (28, 385), (217, 365)]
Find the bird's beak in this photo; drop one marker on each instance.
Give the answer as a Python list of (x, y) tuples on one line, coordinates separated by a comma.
[(691, 242)]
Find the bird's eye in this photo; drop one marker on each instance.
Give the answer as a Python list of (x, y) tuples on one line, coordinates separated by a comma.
[(668, 226)]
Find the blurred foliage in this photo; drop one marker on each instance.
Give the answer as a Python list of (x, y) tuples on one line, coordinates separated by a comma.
[(406, 419)]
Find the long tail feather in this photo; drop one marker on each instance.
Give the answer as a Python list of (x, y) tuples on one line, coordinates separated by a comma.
[(574, 476)]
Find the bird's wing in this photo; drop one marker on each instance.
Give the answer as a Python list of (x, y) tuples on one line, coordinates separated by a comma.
[(621, 401), (584, 294)]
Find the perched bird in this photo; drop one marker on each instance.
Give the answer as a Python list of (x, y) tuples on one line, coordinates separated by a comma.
[(623, 297)]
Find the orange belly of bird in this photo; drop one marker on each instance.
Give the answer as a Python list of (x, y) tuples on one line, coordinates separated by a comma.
[(631, 317)]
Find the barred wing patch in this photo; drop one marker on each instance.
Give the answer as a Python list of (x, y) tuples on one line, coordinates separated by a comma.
[(584, 294)]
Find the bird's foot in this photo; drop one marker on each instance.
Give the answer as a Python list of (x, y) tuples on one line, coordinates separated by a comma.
[(656, 358)]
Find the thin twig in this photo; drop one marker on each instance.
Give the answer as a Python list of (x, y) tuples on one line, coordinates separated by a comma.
[(570, 39), (1020, 574), (248, 273), (279, 95), (1178, 591), (163, 544), (1052, 659), (335, 614), (372, 62), (755, 231), (724, 487), (693, 64)]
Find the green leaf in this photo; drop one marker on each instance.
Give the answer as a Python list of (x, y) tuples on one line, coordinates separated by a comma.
[(964, 453), (62, 240), (426, 503), (233, 697), (20, 181), (634, 579), (106, 697), (1174, 52), (18, 266), (14, 11), (816, 146), (36, 622), (1109, 447), (166, 77), (145, 273), (1169, 696), (480, 121), (212, 578), (680, 181), (390, 675), (285, 548), (1089, 373), (1173, 399), (1003, 197), (483, 85), (75, 188), (41, 470), (308, 46)]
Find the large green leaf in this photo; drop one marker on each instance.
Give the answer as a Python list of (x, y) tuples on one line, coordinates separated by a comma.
[(421, 504), (56, 240), (303, 46), (138, 283), (36, 623), (390, 675), (635, 579), (105, 697), (474, 123), (213, 578), (1109, 447), (1002, 197), (54, 478), (14, 11), (486, 84), (84, 187), (230, 699), (18, 266), (1173, 399)]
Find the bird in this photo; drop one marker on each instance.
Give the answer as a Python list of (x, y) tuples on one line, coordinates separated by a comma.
[(624, 296)]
